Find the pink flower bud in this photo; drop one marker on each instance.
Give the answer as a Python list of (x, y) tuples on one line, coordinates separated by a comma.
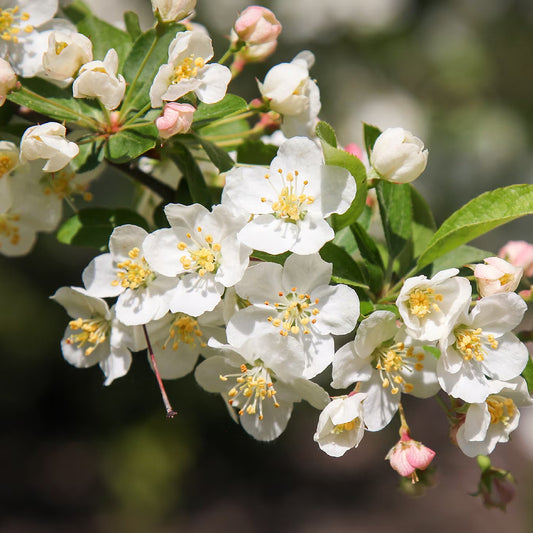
[(497, 276), (354, 149), (176, 118), (257, 25), (520, 254), (8, 80), (408, 455)]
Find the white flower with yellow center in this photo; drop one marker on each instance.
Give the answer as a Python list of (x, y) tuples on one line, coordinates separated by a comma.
[(94, 336), (492, 421), (481, 348), (143, 295), (296, 300), (179, 339), (262, 380), (430, 307), (341, 425), (386, 363), (188, 71), (202, 250), (289, 201)]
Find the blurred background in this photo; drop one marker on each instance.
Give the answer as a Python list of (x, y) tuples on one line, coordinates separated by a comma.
[(76, 456)]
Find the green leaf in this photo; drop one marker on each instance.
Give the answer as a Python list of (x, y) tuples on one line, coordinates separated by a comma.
[(59, 104), (341, 158), (326, 133), (131, 20), (479, 216), (218, 156), (190, 169), (527, 374), (105, 36), (344, 266), (256, 153), (127, 145), (147, 54), (93, 226), (421, 211), (463, 255), (229, 105), (370, 133), (89, 157), (395, 209), (263, 256), (345, 239), (367, 247)]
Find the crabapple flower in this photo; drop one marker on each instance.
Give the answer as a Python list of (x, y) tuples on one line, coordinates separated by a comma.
[(488, 423), (341, 425), (143, 294), (520, 254), (176, 118), (262, 380), (178, 339), (8, 80), (66, 53), (386, 363), (408, 455), (429, 308), (290, 201), (95, 336), (9, 157), (47, 141), (98, 79), (173, 10), (480, 349), (496, 276), (398, 156), (200, 248), (292, 93), (296, 300), (187, 71), (257, 25)]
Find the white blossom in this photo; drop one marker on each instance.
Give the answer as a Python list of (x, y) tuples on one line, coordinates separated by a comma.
[(8, 80), (341, 425), (98, 79), (262, 380), (497, 275), (386, 363), (47, 141), (94, 336), (480, 349), (143, 295), (398, 156), (173, 10), (490, 422), (188, 71), (429, 308), (289, 202), (202, 249), (296, 300)]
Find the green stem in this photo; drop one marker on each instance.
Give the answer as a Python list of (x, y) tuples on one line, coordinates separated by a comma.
[(237, 136), (229, 52), (82, 118), (232, 117), (124, 108), (138, 114)]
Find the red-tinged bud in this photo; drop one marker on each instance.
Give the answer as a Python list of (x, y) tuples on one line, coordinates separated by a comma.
[(496, 486)]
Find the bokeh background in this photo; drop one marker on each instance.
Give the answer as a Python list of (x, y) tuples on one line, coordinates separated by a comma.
[(76, 456)]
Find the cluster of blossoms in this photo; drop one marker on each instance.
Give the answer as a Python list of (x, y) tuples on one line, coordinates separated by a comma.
[(251, 284)]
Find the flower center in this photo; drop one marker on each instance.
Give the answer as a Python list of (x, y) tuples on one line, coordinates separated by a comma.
[(501, 409), (422, 302), (60, 46), (6, 164), (506, 278), (292, 199), (92, 331), (62, 185), (134, 272), (347, 426), (9, 228), (185, 329), (253, 386), (187, 69), (392, 360), (472, 342), (296, 312), (10, 20), (203, 254)]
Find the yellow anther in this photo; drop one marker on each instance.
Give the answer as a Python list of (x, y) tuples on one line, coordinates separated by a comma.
[(422, 302)]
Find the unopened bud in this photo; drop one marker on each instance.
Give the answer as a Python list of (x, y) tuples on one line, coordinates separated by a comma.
[(176, 118)]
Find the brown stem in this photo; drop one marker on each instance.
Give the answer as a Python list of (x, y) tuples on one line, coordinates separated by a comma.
[(170, 411)]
